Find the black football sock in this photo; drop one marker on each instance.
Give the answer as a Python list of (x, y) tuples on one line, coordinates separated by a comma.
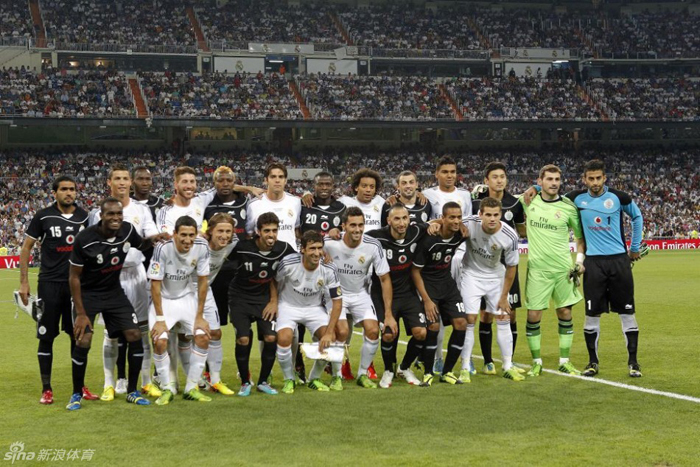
[(486, 341), (45, 355), (454, 350), (514, 330), (243, 360), (412, 352), (429, 350), (267, 360), (79, 359), (389, 355), (135, 361), (121, 357)]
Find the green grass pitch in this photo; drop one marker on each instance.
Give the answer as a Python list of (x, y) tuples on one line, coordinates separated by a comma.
[(550, 420)]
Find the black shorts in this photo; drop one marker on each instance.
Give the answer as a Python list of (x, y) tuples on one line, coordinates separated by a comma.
[(448, 299), (243, 314), (409, 308), (608, 285), (219, 288), (56, 316), (513, 295), (116, 310)]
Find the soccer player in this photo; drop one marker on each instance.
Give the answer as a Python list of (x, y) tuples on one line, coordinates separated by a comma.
[(441, 298), (286, 207), (175, 302), (608, 283), (222, 240), (489, 270), (496, 180), (355, 255), (399, 241), (226, 200), (143, 187), (366, 183), (446, 191), (96, 262), (133, 281), (303, 282), (419, 209), (185, 202), (325, 213), (549, 270), (55, 228), (251, 300)]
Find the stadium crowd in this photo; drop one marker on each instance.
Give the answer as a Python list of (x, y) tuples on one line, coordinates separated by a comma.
[(665, 184), (15, 20), (104, 22), (55, 93), (347, 97), (241, 96)]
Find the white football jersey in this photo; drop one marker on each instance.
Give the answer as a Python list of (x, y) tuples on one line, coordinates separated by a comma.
[(169, 214), (301, 288), (216, 260), (140, 217), (439, 198), (288, 211), (354, 264), (177, 270), (371, 210), (483, 257)]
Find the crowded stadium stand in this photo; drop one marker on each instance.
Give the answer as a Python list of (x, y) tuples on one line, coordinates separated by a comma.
[(15, 21)]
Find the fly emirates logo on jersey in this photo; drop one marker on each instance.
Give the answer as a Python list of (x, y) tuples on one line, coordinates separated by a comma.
[(307, 290), (541, 223), (180, 275)]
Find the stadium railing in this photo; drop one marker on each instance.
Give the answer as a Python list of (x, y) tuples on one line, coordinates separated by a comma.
[(141, 48), (429, 53)]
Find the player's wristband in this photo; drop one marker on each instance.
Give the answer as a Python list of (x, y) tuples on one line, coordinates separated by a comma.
[(580, 258), (160, 319)]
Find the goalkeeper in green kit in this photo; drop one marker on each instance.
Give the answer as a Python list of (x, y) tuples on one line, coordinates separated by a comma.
[(550, 272)]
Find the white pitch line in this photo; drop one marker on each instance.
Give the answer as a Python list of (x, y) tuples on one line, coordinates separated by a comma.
[(671, 395)]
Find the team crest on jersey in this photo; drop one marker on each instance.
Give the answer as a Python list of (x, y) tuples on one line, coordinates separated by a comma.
[(135, 221), (82, 227), (263, 274), (413, 248), (243, 214), (320, 283), (193, 263), (557, 215), (608, 203), (403, 258), (336, 221), (154, 269), (494, 247), (126, 246), (290, 213), (198, 212), (274, 265), (361, 259), (424, 216), (508, 215), (376, 208)]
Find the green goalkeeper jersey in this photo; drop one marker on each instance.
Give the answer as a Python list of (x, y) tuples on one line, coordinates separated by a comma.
[(548, 224)]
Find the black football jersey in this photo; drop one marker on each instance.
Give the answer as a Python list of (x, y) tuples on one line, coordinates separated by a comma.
[(434, 256), (255, 269), (513, 212), (418, 213), (102, 258), (400, 256), (237, 210), (56, 233), (320, 219)]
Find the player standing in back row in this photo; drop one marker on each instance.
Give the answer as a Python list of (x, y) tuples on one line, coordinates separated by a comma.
[(608, 283)]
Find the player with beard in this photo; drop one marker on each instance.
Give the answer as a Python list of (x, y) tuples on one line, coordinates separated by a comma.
[(419, 209)]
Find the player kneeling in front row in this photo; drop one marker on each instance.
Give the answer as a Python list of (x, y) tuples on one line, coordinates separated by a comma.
[(95, 266), (303, 281), (484, 276), (354, 254), (175, 302)]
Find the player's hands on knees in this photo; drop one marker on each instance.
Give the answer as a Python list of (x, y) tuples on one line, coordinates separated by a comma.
[(390, 322), (326, 340), (269, 313), (158, 329), (24, 293), (431, 311), (82, 322), (203, 324), (307, 200)]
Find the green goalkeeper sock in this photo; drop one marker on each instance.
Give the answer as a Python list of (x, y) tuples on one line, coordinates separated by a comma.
[(534, 338), (566, 337)]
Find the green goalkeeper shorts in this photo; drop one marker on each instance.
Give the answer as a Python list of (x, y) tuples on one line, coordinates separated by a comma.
[(541, 286)]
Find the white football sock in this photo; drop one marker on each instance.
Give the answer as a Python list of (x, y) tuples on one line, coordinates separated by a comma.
[(109, 358), (215, 360), (468, 346), (198, 357), (146, 364), (284, 358), (162, 363), (367, 353), (504, 337)]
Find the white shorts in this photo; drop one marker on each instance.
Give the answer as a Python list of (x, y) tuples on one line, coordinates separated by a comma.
[(288, 317), (474, 289), (211, 312), (180, 311), (135, 285), (359, 306)]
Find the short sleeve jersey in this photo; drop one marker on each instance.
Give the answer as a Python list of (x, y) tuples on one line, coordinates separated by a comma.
[(301, 288), (236, 209), (56, 233), (169, 214), (354, 264), (513, 212), (399, 255), (176, 269), (322, 218), (439, 198), (217, 258), (434, 257), (102, 259), (255, 270), (287, 210), (484, 251), (417, 213), (548, 225), (153, 203), (371, 210)]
